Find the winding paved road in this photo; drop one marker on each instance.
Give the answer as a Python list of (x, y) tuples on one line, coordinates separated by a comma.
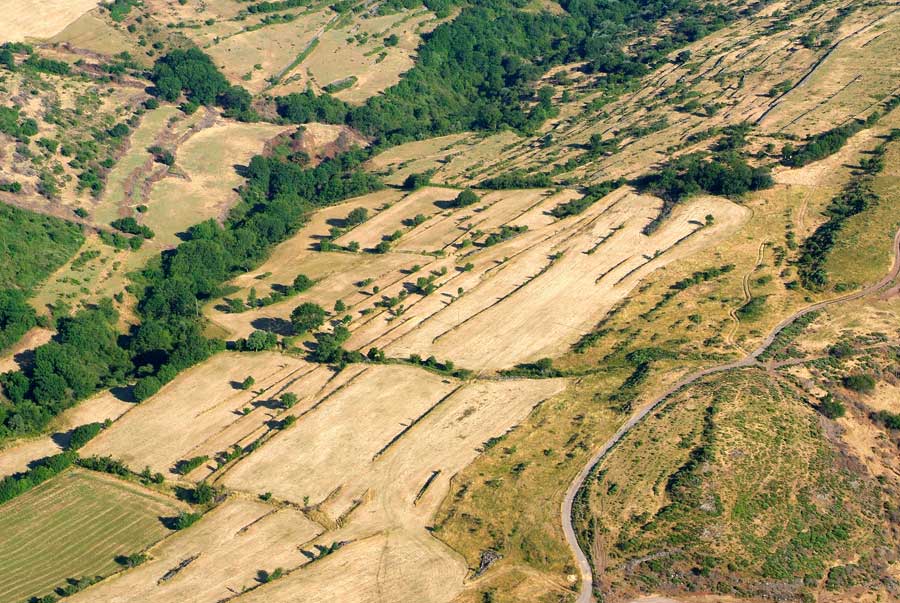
[(585, 594)]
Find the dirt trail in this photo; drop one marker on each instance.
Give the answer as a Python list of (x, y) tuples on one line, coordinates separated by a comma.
[(745, 286), (585, 594)]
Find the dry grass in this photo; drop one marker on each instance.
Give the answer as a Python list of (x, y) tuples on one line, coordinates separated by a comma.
[(227, 550), (273, 48), (491, 325), (93, 280), (849, 81), (387, 549), (125, 176), (375, 66), (512, 284), (862, 253), (165, 429), (39, 18), (333, 445), (207, 177), (507, 499), (91, 32)]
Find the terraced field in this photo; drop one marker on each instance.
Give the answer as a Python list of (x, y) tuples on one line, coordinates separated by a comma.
[(558, 253)]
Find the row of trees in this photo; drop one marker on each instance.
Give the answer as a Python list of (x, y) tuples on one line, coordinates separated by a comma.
[(274, 202), (724, 173), (88, 353), (856, 196), (819, 146)]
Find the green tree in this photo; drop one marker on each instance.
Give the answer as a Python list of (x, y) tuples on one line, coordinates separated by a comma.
[(357, 216), (307, 316), (465, 198), (302, 283)]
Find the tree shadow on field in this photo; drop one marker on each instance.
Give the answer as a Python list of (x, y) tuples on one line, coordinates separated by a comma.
[(279, 326), (269, 403), (170, 523), (62, 438), (123, 394)]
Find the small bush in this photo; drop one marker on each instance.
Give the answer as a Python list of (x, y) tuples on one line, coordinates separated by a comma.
[(831, 408), (82, 434), (860, 382), (185, 520)]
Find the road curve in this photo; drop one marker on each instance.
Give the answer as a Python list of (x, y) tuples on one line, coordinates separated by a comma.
[(585, 591)]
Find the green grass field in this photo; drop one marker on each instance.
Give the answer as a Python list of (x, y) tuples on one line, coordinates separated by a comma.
[(72, 526), (862, 253)]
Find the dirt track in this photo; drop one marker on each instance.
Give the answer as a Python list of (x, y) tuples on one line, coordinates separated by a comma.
[(585, 594)]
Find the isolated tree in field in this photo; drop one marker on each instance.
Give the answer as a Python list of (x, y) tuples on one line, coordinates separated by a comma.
[(595, 143), (307, 317), (302, 283), (357, 216), (260, 340), (416, 181), (203, 494), (465, 198), (831, 407), (248, 382)]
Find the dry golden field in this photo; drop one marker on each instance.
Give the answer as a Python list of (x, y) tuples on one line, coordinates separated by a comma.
[(516, 343), (29, 19)]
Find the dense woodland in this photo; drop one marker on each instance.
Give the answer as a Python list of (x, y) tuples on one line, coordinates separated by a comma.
[(479, 70), (45, 241), (88, 353)]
